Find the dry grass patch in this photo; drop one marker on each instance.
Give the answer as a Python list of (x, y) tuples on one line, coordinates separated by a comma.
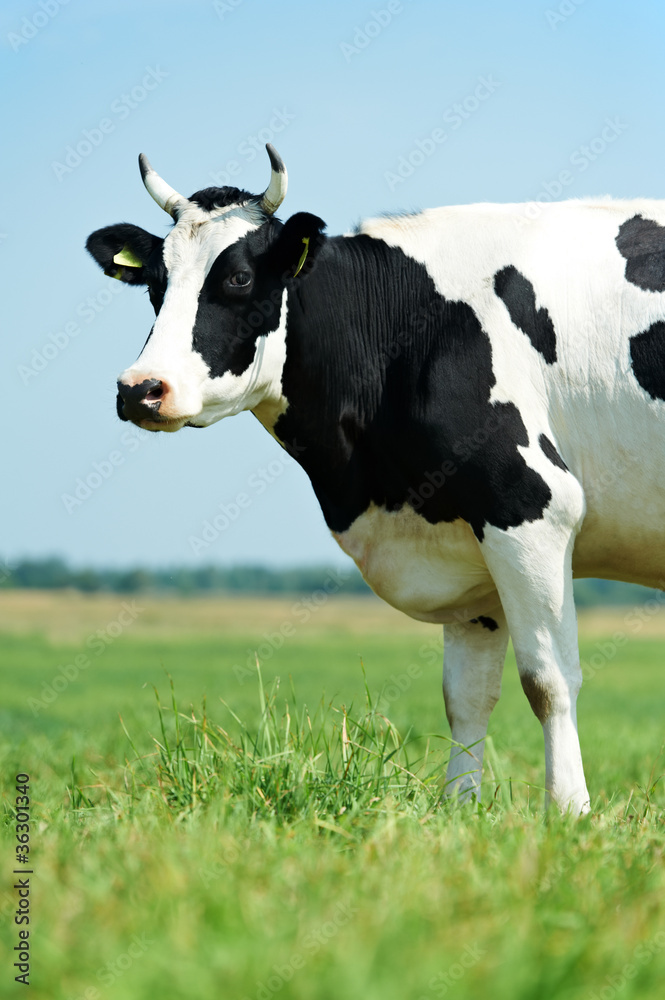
[(69, 616)]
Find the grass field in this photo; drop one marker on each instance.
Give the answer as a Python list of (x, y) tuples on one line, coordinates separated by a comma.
[(287, 839)]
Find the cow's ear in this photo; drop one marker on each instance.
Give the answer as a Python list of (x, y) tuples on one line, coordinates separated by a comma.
[(294, 251), (122, 251)]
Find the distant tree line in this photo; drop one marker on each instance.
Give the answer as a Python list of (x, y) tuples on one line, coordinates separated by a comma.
[(592, 593), (55, 574)]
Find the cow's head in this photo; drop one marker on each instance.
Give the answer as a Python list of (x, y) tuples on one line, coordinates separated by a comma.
[(218, 284)]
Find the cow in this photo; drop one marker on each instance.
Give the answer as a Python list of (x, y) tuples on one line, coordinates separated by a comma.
[(476, 392)]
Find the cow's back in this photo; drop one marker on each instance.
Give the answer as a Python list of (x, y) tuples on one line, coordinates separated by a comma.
[(572, 297)]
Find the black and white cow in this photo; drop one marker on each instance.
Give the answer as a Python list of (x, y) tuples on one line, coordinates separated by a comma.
[(477, 395)]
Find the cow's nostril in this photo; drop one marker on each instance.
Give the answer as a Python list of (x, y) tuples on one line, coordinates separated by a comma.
[(155, 393), (141, 401), (149, 390)]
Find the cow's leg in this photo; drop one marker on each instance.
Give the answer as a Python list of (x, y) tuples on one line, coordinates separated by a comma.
[(473, 657), (532, 569)]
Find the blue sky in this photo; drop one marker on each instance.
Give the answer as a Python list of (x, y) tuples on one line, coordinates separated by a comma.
[(347, 92)]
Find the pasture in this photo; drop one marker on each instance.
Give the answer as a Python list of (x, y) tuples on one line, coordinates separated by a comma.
[(285, 838)]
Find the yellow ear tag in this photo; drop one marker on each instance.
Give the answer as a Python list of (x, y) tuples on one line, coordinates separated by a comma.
[(128, 258), (303, 258)]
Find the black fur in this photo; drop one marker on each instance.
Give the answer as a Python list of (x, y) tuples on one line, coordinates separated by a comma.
[(486, 622), (647, 354), (214, 197), (419, 428), (550, 451), (642, 243), (519, 297)]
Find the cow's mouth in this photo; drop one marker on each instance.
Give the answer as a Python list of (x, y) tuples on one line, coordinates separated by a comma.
[(161, 424)]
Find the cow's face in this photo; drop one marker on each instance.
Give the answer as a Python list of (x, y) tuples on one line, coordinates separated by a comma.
[(218, 284)]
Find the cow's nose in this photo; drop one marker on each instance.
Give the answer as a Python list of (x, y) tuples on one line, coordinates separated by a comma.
[(141, 401)]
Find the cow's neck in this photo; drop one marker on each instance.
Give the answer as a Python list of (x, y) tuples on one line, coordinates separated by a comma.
[(352, 324)]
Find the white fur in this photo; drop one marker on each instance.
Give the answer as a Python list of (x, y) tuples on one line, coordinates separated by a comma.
[(473, 658)]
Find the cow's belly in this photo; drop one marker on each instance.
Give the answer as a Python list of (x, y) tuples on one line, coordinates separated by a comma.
[(434, 573), (629, 549), (623, 532)]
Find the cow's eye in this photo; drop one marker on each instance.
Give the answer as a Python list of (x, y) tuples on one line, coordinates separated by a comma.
[(240, 279)]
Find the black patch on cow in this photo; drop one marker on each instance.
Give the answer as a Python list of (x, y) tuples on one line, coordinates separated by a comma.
[(230, 320), (550, 451), (642, 243), (214, 197), (647, 354), (228, 323), (156, 279), (539, 695), (389, 396), (519, 297), (486, 622)]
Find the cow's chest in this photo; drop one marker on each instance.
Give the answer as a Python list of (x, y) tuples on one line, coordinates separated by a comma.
[(432, 572)]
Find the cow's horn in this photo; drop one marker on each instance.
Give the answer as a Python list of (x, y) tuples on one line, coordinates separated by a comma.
[(275, 193), (165, 196)]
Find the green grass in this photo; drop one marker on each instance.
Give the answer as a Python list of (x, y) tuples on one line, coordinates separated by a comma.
[(287, 839)]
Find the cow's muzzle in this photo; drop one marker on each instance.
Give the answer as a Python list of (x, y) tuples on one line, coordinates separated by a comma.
[(141, 401)]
